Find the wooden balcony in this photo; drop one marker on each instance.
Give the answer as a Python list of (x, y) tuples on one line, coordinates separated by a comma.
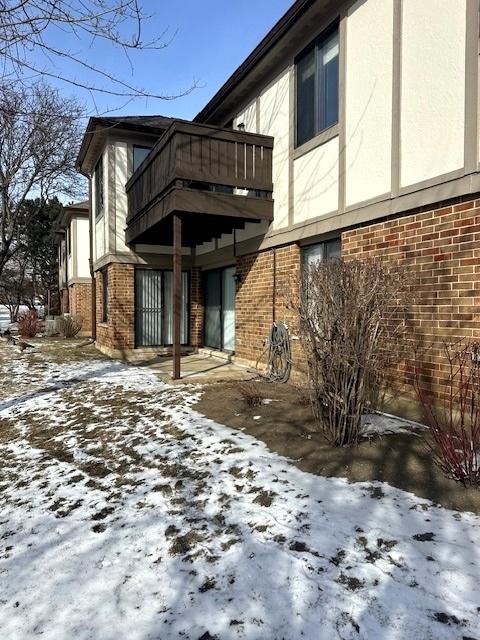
[(216, 179)]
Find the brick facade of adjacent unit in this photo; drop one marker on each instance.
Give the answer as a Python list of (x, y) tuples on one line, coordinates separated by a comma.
[(439, 246), (118, 332), (441, 249), (266, 281), (196, 308), (80, 296)]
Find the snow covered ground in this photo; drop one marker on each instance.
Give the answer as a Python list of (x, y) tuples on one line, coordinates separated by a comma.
[(124, 514)]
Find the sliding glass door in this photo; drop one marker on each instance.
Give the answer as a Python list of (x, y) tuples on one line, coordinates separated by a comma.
[(219, 288)]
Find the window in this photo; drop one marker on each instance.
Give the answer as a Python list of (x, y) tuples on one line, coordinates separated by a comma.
[(69, 239), (99, 189), (317, 87), (139, 155), (322, 251), (105, 295)]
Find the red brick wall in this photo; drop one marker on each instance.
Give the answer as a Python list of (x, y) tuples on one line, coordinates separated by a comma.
[(266, 280), (196, 308), (81, 304), (119, 330), (441, 249)]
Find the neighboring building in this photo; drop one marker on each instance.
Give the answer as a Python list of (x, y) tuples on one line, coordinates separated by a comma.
[(352, 128), (73, 263)]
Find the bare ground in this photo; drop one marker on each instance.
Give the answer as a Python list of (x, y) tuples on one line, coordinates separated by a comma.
[(287, 426)]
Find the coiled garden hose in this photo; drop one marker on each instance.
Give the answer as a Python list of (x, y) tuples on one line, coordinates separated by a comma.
[(279, 364)]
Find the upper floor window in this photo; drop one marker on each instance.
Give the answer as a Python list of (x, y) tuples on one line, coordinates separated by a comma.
[(139, 155), (322, 251), (317, 87), (69, 239), (99, 188)]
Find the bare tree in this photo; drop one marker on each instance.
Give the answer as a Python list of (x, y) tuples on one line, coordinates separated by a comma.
[(350, 319), (40, 132), (16, 287), (29, 41)]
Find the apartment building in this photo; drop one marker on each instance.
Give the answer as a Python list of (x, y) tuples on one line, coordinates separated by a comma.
[(75, 282), (351, 129)]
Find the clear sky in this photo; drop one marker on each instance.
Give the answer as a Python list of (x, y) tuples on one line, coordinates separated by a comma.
[(211, 38)]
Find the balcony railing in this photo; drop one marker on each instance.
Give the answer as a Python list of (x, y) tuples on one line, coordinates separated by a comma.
[(196, 169)]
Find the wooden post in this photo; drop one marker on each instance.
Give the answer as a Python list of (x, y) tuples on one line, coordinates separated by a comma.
[(177, 292)]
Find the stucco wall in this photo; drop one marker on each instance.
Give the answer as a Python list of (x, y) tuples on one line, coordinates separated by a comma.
[(316, 182), (83, 248), (274, 121), (433, 88), (368, 95)]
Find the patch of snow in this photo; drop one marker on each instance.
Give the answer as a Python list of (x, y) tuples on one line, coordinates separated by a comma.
[(127, 514), (384, 423)]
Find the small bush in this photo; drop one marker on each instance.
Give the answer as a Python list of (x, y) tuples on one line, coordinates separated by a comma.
[(69, 326), (28, 323), (454, 419), (251, 394), (351, 320)]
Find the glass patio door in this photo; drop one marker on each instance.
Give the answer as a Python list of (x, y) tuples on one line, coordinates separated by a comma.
[(219, 286), (154, 310), (213, 310), (228, 309)]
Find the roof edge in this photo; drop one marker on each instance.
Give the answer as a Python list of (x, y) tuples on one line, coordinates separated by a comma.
[(266, 44)]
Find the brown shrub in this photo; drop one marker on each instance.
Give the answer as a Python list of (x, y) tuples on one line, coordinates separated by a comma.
[(351, 320), (454, 419), (251, 393), (69, 326), (28, 323)]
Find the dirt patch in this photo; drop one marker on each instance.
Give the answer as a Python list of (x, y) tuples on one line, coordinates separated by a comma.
[(350, 582), (288, 428)]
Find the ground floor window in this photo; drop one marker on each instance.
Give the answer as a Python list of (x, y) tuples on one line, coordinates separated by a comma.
[(322, 251), (154, 308)]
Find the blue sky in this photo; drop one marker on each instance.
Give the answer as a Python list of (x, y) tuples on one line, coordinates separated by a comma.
[(212, 37)]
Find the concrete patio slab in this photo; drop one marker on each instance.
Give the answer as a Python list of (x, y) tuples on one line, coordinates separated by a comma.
[(201, 368)]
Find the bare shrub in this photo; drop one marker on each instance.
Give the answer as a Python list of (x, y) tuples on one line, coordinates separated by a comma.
[(251, 393), (453, 418), (28, 323), (69, 326), (350, 320)]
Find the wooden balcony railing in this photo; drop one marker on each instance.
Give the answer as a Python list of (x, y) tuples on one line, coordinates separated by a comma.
[(200, 159)]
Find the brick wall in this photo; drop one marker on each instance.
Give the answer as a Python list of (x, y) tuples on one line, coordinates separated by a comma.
[(119, 330), (81, 304), (440, 248), (196, 308), (266, 280)]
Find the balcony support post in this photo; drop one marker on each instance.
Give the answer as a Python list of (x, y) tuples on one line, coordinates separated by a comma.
[(177, 293)]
